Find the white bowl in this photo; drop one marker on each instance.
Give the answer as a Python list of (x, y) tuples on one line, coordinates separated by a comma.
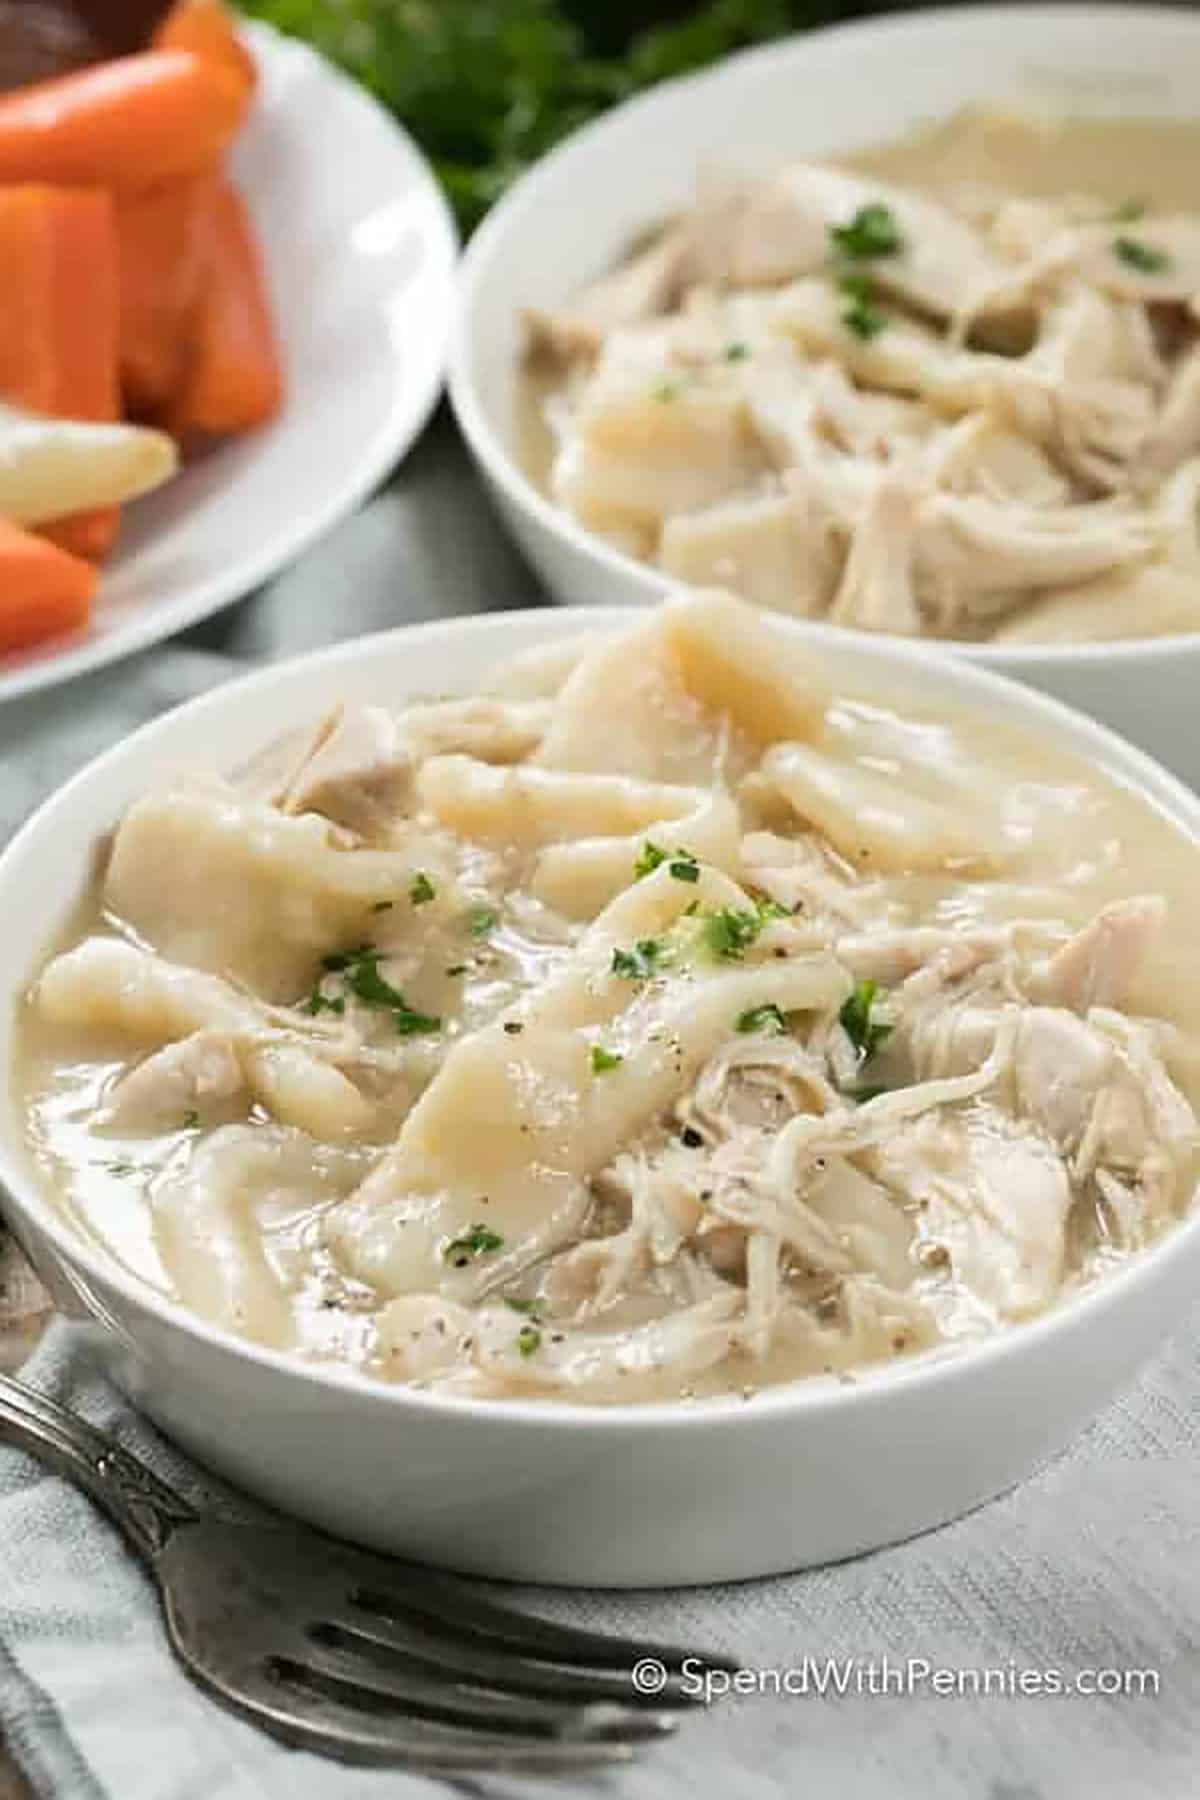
[(618, 1496), (361, 273), (857, 84)]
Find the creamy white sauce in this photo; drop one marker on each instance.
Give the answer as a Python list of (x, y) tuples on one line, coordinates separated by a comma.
[(1047, 842)]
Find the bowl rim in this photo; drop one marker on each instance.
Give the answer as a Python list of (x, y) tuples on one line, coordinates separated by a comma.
[(29, 1200), (487, 443)]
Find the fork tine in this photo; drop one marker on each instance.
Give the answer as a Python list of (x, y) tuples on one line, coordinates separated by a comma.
[(486, 1660), (376, 1684), (308, 1719), (446, 1606)]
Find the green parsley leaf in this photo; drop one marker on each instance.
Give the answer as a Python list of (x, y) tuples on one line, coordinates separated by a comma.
[(649, 857), (683, 863), (480, 1240), (383, 906), (481, 920), (763, 1018), (359, 970), (1142, 257), (639, 963), (603, 1060), (410, 1023), (1128, 212), (736, 352), (422, 890), (865, 1033), (861, 313), (529, 1340), (729, 933), (457, 969), (528, 1307), (684, 866), (319, 1002), (872, 231), (190, 1121)]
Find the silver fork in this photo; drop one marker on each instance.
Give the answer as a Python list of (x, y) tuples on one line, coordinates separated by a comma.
[(357, 1656)]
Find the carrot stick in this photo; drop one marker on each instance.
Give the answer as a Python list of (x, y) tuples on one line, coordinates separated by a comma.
[(86, 337), (125, 123), (160, 239), (208, 28), (59, 318), (234, 381), (89, 535), (43, 591)]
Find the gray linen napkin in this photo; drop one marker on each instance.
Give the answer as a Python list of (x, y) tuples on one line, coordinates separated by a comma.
[(1091, 1566)]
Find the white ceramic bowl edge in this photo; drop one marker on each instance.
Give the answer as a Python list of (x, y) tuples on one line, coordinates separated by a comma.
[(847, 85), (623, 1496)]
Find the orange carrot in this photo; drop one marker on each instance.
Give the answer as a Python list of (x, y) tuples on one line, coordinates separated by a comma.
[(161, 242), (234, 380), (86, 332), (90, 535), (208, 28), (125, 123), (43, 591), (58, 319)]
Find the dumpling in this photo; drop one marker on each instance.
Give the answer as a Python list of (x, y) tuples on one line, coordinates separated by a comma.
[(224, 883), (543, 1117)]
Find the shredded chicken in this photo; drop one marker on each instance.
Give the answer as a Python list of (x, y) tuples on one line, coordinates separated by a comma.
[(928, 411), (685, 1023)]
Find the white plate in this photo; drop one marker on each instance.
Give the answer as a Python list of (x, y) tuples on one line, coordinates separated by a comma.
[(360, 249)]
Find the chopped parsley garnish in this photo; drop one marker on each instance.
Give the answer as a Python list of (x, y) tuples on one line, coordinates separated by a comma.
[(480, 1240), (190, 1121), (730, 932), (872, 231), (361, 977), (860, 310), (529, 1340), (318, 1002), (527, 1307), (1128, 212), (639, 963), (457, 969), (481, 920), (683, 864), (383, 906), (864, 1032), (1142, 257), (665, 391), (649, 858), (422, 890), (763, 1018), (736, 352), (603, 1060)]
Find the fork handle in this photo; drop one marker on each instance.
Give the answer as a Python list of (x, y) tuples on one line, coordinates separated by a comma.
[(144, 1507)]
